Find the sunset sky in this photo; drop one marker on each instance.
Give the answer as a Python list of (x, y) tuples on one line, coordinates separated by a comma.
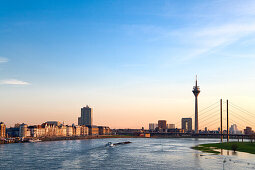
[(134, 62)]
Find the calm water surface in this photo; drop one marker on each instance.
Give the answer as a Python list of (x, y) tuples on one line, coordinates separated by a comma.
[(142, 153)]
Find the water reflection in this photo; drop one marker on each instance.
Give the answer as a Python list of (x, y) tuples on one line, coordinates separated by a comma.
[(235, 153)]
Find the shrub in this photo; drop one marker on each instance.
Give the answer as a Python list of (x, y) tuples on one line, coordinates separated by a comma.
[(234, 147)]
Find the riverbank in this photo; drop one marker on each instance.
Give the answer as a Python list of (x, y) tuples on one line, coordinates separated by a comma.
[(86, 137), (42, 139), (247, 147)]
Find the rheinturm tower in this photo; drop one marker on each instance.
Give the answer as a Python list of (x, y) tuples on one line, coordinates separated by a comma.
[(196, 91)]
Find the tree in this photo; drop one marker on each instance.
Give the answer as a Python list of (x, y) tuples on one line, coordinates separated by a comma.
[(234, 147)]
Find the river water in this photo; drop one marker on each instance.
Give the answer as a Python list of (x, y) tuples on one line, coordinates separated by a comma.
[(142, 153)]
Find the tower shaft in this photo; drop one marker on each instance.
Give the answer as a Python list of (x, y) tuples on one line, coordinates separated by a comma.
[(196, 115)]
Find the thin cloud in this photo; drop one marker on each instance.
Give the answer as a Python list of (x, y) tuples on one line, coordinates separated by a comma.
[(14, 82), (200, 41), (210, 39), (3, 60), (231, 55), (227, 26)]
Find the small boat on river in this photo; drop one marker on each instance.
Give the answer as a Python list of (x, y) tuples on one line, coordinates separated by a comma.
[(110, 144)]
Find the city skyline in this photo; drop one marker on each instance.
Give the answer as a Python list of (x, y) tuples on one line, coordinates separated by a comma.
[(132, 61)]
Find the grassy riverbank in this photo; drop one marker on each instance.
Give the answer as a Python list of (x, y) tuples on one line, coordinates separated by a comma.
[(247, 147)]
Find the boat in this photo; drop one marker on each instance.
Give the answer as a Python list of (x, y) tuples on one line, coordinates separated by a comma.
[(110, 144), (121, 143), (34, 140)]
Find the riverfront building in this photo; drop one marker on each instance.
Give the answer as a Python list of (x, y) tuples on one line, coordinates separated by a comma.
[(76, 130), (104, 130), (12, 132), (69, 130), (57, 129), (37, 131), (51, 129), (233, 130), (170, 126), (187, 124), (2, 130), (86, 116), (84, 130), (176, 130), (162, 124), (153, 126), (248, 130), (93, 130), (24, 131)]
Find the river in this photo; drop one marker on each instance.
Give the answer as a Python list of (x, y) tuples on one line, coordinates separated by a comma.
[(142, 153)]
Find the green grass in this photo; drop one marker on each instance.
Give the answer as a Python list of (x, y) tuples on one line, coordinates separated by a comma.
[(241, 147), (205, 149)]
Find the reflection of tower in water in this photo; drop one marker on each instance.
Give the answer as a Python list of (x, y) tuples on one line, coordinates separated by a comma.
[(196, 91)]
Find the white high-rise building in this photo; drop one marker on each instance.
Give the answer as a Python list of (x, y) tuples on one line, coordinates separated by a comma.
[(153, 126), (233, 130)]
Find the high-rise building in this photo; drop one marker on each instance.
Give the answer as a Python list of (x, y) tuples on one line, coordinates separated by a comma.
[(234, 130), (162, 124), (170, 126), (2, 130), (248, 130), (153, 126), (187, 124), (86, 116), (196, 91)]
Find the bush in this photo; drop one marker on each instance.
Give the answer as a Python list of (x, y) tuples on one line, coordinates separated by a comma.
[(234, 147)]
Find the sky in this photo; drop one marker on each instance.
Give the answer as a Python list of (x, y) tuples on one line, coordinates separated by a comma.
[(133, 62)]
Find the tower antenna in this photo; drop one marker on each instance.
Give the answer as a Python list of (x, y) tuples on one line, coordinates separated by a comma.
[(196, 80)]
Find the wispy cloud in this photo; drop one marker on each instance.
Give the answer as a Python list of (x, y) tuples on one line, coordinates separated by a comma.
[(209, 39), (198, 41), (206, 28), (3, 60), (231, 55), (14, 82)]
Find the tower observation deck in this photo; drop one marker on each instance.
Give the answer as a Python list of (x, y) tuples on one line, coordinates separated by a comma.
[(196, 91)]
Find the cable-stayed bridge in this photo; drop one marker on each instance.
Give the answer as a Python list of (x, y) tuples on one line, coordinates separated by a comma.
[(216, 121)]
